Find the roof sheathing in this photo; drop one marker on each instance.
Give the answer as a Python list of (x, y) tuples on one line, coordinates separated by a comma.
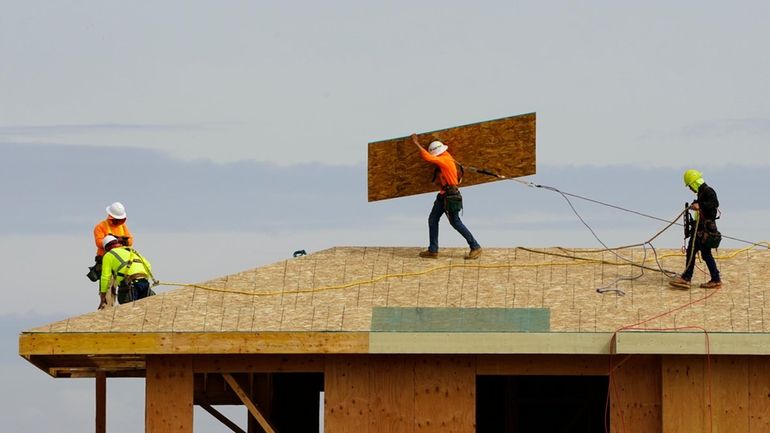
[(306, 294)]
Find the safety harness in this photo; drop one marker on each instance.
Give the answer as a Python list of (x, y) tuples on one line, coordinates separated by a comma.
[(128, 279)]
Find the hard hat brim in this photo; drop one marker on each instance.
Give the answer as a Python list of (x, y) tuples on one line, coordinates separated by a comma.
[(439, 150), (115, 215)]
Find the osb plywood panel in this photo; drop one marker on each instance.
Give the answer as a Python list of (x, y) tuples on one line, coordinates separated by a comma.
[(337, 289), (503, 146)]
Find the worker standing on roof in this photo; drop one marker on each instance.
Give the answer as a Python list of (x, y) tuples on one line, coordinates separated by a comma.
[(448, 200), (124, 269), (114, 225), (705, 235)]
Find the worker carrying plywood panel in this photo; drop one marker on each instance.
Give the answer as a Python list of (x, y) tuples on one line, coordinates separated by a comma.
[(448, 201)]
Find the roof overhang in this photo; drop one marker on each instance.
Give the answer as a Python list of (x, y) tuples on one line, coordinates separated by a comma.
[(124, 354)]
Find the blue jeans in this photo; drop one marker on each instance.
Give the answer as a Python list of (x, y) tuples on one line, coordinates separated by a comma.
[(705, 254), (454, 220)]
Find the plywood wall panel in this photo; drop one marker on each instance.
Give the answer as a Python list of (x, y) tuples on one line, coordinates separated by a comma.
[(636, 396), (730, 393), (169, 395), (505, 146), (759, 394), (684, 404), (445, 394), (346, 395), (391, 406)]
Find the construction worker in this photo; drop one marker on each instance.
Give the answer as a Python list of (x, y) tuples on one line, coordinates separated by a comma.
[(447, 201), (115, 225), (704, 235), (124, 269)]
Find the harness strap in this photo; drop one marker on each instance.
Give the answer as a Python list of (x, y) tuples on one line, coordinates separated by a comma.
[(131, 260)]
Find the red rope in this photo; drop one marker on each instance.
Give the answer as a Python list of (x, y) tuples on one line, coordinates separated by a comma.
[(612, 387)]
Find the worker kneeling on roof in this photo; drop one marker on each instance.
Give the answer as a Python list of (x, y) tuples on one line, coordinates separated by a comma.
[(124, 270)]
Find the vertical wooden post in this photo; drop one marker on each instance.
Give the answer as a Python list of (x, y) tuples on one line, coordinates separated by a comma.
[(101, 402), (169, 395)]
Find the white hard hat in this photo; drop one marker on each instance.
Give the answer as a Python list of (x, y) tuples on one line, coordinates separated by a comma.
[(437, 148), (107, 239), (116, 210)]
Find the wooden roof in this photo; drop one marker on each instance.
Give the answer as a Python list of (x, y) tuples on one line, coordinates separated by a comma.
[(324, 302)]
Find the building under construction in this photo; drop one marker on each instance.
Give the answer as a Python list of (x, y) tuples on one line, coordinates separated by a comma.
[(517, 341)]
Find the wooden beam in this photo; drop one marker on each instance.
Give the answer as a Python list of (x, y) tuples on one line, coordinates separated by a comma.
[(490, 342), (692, 343), (258, 364), (101, 402), (253, 410), (542, 365), (223, 419), (179, 343), (169, 395)]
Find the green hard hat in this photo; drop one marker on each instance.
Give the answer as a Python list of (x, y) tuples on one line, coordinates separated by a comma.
[(693, 179)]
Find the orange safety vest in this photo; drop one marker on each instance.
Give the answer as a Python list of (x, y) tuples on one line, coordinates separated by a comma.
[(105, 228)]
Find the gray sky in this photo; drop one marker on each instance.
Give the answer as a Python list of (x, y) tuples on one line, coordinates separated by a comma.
[(235, 133), (652, 82)]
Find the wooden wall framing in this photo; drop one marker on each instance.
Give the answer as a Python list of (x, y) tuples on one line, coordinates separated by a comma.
[(437, 393)]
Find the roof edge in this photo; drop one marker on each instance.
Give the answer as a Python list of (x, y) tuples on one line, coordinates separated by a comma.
[(191, 343)]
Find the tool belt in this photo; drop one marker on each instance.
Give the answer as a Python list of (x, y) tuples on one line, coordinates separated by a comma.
[(95, 271), (131, 279), (453, 200), (133, 288), (709, 235)]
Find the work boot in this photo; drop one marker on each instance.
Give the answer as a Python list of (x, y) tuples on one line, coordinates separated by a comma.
[(475, 253), (428, 254), (680, 283), (711, 285)]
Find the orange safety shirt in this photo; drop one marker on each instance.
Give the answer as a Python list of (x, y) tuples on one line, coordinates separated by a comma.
[(105, 228), (445, 164)]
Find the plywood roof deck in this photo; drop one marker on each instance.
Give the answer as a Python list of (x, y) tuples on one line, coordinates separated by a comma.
[(319, 293)]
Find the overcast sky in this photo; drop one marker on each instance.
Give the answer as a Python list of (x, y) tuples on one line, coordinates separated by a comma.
[(236, 132)]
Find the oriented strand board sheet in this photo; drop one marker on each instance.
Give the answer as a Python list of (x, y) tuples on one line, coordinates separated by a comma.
[(503, 146)]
